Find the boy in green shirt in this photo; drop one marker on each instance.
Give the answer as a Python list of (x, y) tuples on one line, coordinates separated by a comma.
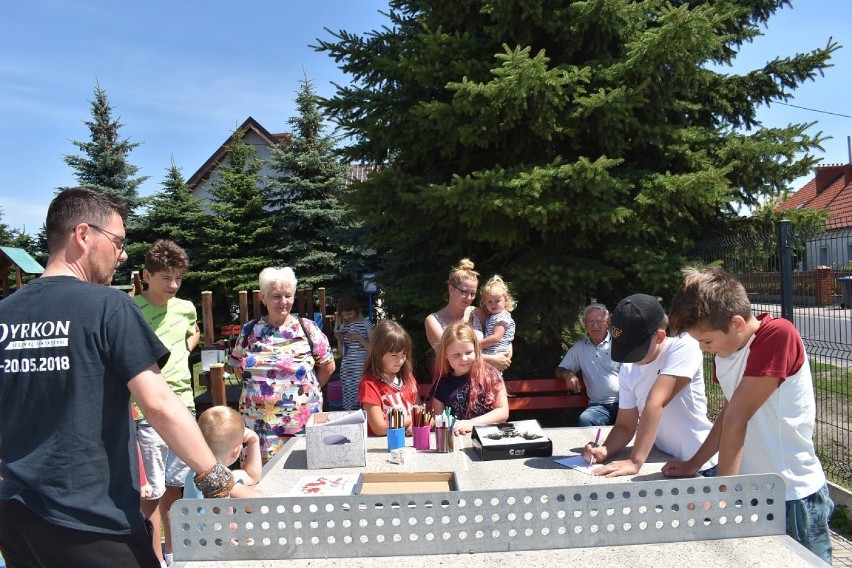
[(174, 322)]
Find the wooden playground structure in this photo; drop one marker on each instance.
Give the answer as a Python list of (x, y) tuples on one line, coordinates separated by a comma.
[(17, 261)]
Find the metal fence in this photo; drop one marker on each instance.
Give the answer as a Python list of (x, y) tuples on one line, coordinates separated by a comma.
[(801, 277)]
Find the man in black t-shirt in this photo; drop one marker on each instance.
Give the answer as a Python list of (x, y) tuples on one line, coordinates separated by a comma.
[(73, 352)]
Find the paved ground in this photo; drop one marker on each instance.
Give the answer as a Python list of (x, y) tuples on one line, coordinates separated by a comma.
[(842, 550)]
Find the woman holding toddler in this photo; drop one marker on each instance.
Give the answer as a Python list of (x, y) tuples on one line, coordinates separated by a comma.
[(461, 291)]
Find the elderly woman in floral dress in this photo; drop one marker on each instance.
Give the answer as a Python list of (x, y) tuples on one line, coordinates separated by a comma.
[(284, 363)]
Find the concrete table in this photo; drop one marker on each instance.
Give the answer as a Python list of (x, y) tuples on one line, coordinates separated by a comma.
[(288, 466), (483, 478)]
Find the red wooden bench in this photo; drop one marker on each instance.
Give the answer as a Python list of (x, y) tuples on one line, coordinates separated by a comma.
[(534, 394), (230, 330)]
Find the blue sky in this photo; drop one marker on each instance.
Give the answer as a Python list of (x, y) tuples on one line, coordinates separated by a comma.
[(182, 75)]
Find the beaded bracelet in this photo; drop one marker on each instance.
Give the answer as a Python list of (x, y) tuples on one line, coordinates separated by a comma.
[(215, 482)]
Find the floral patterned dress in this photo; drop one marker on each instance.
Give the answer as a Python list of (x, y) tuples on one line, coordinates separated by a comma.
[(280, 387)]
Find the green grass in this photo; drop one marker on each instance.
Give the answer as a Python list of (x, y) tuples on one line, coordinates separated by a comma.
[(832, 379), (818, 367), (841, 520), (840, 387)]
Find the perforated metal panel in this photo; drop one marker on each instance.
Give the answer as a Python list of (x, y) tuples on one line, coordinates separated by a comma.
[(478, 521)]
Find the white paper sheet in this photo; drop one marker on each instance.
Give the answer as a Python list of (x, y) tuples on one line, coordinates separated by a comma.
[(341, 418), (331, 484), (578, 463)]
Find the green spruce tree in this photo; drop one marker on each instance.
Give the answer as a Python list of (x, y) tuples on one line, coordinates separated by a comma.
[(239, 234), (317, 234), (579, 149), (173, 213), (103, 161), (17, 238)]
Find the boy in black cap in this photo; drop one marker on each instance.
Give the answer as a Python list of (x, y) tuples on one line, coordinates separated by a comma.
[(661, 381)]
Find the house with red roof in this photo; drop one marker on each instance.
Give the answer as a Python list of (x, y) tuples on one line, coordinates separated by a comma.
[(831, 190)]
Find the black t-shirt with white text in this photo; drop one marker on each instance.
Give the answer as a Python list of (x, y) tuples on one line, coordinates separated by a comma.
[(67, 441)]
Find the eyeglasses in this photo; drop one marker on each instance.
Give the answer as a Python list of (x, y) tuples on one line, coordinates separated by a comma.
[(465, 293), (118, 241), (594, 322)]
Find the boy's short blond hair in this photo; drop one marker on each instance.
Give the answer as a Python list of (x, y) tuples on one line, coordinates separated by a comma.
[(707, 300), (222, 428)]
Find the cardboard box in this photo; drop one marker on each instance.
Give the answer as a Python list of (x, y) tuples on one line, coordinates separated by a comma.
[(407, 482), (336, 439), (509, 440)]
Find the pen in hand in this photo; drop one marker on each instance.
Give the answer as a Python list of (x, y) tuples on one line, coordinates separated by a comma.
[(594, 445)]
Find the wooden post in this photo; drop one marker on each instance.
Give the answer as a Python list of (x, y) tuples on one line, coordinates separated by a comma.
[(256, 303), (217, 385), (321, 294), (137, 283), (301, 302), (207, 317), (244, 315), (5, 277)]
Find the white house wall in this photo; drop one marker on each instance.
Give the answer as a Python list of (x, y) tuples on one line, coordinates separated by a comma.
[(263, 153), (834, 249)]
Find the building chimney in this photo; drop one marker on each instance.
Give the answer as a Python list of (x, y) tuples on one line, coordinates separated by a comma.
[(828, 174)]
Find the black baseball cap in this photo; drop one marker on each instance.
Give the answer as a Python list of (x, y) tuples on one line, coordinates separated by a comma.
[(635, 320)]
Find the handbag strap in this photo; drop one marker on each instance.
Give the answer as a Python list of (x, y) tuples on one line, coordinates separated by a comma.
[(308, 337)]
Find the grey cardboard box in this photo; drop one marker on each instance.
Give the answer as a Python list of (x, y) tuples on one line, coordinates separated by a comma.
[(336, 439)]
